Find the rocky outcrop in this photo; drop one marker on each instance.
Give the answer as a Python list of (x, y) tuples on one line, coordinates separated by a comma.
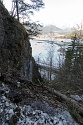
[(15, 49)]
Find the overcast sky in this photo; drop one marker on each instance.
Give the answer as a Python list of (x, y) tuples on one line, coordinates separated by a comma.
[(62, 13)]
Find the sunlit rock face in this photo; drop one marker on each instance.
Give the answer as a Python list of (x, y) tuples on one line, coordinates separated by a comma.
[(15, 49)]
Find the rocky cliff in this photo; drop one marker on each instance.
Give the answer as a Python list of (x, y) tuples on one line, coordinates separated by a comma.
[(15, 49)]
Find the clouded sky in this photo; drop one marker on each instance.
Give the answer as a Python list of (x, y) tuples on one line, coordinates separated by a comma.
[(62, 13)]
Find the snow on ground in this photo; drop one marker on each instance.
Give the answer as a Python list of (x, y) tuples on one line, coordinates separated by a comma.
[(36, 113), (77, 97)]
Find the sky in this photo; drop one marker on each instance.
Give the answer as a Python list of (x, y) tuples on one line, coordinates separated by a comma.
[(61, 13)]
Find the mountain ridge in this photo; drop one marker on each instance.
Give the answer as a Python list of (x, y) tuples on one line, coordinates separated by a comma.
[(50, 28), (54, 29)]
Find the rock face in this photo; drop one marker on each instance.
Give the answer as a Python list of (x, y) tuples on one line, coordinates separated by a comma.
[(15, 49)]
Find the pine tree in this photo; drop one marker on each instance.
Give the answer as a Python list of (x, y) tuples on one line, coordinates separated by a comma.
[(21, 8)]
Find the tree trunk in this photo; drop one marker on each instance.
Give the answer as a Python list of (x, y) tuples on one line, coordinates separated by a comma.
[(74, 107), (17, 10)]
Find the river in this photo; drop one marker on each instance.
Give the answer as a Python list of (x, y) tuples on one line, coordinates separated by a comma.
[(49, 53), (43, 50)]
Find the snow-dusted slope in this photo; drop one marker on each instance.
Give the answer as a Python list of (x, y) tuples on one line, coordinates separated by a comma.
[(35, 113)]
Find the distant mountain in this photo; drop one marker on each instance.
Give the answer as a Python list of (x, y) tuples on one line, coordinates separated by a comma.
[(58, 31), (50, 28)]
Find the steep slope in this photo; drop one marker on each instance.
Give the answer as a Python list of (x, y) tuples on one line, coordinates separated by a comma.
[(15, 49), (21, 101)]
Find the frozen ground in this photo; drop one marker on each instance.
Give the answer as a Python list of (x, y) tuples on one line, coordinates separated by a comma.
[(35, 113)]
